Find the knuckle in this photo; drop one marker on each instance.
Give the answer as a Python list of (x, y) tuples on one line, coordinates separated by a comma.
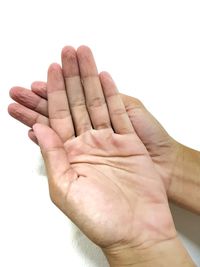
[(103, 125), (96, 102), (119, 111), (137, 102), (60, 113), (84, 127), (134, 105), (77, 103)]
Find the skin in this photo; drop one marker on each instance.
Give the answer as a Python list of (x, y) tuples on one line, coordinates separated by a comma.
[(32, 107), (96, 177), (177, 165)]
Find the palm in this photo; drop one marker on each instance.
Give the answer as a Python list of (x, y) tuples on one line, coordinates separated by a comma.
[(161, 147), (109, 187)]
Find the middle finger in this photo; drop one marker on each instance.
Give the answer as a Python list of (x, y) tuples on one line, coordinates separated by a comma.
[(74, 90), (95, 100)]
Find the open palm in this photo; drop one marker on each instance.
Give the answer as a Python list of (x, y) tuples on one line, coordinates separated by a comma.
[(32, 107), (100, 173)]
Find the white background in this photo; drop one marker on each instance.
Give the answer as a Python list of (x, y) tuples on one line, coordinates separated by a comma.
[(152, 49)]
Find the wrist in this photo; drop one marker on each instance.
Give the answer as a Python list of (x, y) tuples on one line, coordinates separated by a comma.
[(165, 253), (185, 180)]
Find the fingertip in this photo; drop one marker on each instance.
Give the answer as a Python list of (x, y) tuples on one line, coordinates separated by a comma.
[(54, 67), (55, 78), (68, 51), (41, 130), (38, 127), (32, 136), (13, 91), (38, 85), (86, 61), (105, 75), (47, 137), (69, 62), (83, 49), (11, 108), (108, 84)]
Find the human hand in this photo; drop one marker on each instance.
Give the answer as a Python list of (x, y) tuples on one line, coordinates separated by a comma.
[(163, 149), (95, 176), (97, 156), (98, 168)]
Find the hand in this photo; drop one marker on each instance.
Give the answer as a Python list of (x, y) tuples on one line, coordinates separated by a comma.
[(163, 149), (108, 187), (96, 177)]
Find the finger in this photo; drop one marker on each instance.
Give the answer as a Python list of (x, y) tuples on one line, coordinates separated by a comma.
[(40, 89), (32, 136), (59, 113), (95, 100), (29, 99), (59, 171), (26, 115), (119, 117), (74, 90)]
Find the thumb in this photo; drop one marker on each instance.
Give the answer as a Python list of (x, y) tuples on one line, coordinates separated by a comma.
[(53, 152)]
